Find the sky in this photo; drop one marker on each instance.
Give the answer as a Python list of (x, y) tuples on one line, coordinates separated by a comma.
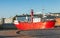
[(9, 8)]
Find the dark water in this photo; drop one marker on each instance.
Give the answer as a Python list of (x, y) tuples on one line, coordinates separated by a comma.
[(7, 26)]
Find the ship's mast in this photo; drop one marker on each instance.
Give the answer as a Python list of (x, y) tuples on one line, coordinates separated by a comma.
[(43, 13), (32, 15)]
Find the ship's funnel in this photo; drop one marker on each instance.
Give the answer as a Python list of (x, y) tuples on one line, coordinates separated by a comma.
[(32, 15)]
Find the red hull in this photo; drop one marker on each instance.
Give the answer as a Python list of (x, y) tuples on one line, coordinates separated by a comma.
[(34, 26)]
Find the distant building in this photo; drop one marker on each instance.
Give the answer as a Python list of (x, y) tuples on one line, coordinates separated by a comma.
[(55, 14), (2, 21), (8, 20)]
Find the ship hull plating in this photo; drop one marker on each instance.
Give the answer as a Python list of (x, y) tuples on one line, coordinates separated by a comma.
[(35, 26)]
